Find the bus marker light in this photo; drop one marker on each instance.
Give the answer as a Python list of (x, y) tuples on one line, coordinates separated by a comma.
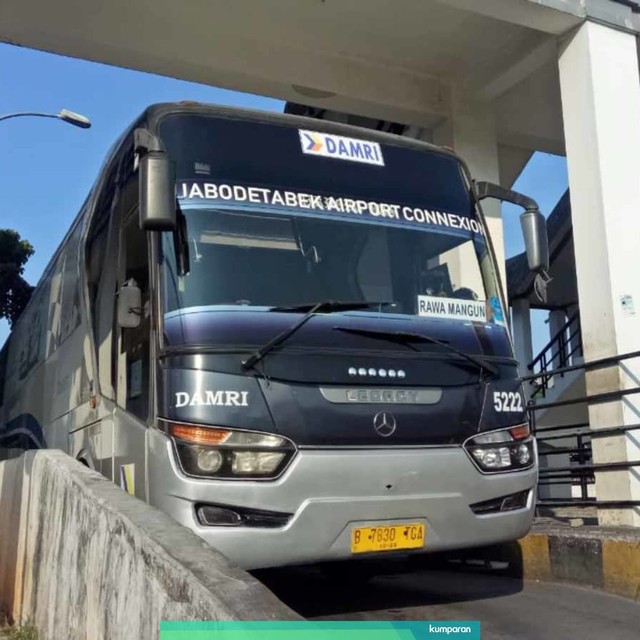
[(520, 432), (199, 435)]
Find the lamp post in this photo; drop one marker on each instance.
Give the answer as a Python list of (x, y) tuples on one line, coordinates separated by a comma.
[(75, 119)]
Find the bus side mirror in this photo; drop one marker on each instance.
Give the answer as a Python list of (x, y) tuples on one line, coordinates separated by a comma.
[(157, 192), (129, 305), (534, 226), (534, 230), (157, 183)]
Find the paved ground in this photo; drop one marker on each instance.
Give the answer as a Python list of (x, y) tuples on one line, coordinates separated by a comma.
[(506, 607)]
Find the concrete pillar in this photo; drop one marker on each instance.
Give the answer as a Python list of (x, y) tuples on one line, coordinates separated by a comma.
[(575, 342), (600, 89), (521, 328), (557, 320), (471, 133)]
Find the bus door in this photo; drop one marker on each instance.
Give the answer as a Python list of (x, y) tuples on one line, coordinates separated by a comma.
[(132, 362)]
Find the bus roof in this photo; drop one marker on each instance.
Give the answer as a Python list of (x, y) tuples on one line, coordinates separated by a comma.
[(156, 112)]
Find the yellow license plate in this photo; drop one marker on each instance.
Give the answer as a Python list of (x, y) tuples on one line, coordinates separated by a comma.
[(387, 538)]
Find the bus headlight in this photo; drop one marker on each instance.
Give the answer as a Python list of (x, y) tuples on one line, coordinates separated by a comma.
[(510, 449), (218, 452), (209, 460), (523, 454), (253, 462)]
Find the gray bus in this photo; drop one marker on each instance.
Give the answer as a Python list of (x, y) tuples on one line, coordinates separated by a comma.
[(289, 335)]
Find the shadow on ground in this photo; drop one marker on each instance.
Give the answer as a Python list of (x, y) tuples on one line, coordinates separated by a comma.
[(396, 586)]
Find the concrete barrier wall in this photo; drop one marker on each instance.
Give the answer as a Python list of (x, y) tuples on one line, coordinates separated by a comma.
[(605, 558), (82, 559)]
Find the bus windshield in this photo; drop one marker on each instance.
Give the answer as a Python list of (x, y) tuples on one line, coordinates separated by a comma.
[(261, 259), (279, 216)]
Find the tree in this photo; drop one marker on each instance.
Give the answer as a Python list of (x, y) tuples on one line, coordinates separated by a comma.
[(15, 291)]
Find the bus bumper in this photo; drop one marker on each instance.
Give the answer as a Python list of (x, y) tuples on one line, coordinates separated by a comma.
[(329, 492)]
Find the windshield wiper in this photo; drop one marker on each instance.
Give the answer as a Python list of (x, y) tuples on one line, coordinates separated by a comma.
[(326, 306), (331, 306), (407, 338)]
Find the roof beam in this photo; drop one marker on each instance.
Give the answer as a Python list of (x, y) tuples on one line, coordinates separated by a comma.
[(181, 44), (523, 67), (551, 16), (531, 141), (555, 17), (512, 160)]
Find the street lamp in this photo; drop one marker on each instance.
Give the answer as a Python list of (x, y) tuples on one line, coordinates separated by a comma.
[(75, 119)]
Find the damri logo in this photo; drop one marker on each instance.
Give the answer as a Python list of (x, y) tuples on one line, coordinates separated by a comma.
[(329, 145), (212, 399)]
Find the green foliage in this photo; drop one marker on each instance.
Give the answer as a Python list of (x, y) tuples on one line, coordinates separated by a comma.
[(28, 632), (10, 632), (15, 291)]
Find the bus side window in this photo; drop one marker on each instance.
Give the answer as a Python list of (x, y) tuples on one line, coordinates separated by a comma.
[(133, 356), (101, 272), (70, 293)]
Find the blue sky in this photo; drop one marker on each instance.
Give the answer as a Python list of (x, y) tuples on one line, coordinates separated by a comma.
[(47, 167)]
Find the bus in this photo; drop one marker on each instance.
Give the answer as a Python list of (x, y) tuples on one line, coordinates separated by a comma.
[(288, 334)]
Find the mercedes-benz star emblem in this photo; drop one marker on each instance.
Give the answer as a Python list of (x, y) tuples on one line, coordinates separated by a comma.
[(384, 423)]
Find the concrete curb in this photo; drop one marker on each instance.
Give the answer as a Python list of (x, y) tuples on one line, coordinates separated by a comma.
[(82, 559), (604, 558)]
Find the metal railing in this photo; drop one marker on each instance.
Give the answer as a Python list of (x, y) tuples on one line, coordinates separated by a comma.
[(581, 469), (556, 355)]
